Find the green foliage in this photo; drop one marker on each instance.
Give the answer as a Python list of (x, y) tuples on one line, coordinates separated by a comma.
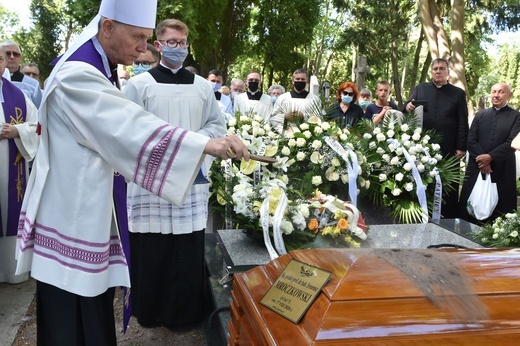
[(503, 232), (8, 21)]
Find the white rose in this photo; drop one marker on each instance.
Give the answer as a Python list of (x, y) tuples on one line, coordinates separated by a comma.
[(394, 161), (425, 159), (300, 142), (433, 174), (420, 168), (316, 180), (417, 130), (380, 151), (307, 134), (367, 136), (272, 135), (286, 151), (287, 227), (407, 144), (377, 130), (367, 184), (386, 157), (304, 126), (372, 145), (344, 178), (284, 178), (343, 137), (436, 147), (390, 133), (408, 187), (407, 167), (438, 157), (416, 136), (380, 137), (399, 176), (316, 144), (318, 130), (231, 131), (291, 143), (232, 122), (300, 156), (244, 118), (396, 192), (399, 151), (405, 137), (404, 127), (325, 126), (336, 162), (514, 234), (382, 177)]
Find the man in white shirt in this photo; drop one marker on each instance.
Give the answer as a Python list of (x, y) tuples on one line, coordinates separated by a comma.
[(295, 105), (254, 101), (167, 241)]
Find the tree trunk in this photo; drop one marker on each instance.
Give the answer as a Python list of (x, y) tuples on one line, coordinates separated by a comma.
[(433, 29), (458, 71)]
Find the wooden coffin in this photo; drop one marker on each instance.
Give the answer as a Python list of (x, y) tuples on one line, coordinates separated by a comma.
[(388, 297)]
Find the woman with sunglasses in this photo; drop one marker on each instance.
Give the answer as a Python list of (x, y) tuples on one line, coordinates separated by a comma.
[(346, 112)]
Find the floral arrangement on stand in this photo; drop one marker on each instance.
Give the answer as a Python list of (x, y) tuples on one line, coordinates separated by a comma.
[(304, 163), (503, 232), (406, 168)]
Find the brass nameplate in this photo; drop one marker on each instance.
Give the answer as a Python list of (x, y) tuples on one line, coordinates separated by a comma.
[(295, 290)]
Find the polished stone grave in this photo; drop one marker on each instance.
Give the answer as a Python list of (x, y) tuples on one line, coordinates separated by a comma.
[(231, 251)]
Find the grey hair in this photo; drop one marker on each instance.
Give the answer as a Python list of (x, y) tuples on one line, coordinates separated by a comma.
[(275, 86), (11, 43)]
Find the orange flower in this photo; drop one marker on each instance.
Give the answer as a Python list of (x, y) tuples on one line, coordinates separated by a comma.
[(313, 225), (343, 224)]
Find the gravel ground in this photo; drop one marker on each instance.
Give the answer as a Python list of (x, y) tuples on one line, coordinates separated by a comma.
[(135, 334)]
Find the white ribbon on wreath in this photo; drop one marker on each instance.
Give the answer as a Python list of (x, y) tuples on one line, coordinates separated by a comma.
[(352, 167), (421, 189), (277, 225)]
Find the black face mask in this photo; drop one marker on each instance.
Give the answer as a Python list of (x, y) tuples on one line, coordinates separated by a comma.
[(300, 86), (253, 86)]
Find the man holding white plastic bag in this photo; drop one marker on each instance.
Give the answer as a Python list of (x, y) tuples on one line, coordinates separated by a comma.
[(490, 153)]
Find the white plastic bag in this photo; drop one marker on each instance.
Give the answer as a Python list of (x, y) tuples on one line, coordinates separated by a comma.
[(483, 198)]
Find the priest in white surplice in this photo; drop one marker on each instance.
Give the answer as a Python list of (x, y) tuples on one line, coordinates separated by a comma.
[(18, 144), (167, 242), (254, 101), (295, 104), (68, 236)]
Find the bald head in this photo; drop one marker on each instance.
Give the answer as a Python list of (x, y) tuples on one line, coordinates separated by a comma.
[(500, 94)]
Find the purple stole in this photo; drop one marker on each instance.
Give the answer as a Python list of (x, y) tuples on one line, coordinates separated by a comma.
[(88, 53), (15, 112)]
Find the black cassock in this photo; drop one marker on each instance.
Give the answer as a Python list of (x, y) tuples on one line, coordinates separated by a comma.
[(491, 133), (448, 116)]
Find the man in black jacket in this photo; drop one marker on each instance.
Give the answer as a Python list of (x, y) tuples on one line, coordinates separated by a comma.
[(447, 114)]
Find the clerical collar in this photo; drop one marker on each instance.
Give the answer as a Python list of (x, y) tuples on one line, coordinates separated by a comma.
[(301, 95), (440, 86), (497, 109), (104, 58), (254, 96), (174, 70)]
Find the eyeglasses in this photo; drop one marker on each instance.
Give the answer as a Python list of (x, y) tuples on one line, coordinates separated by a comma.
[(143, 63), (13, 53), (31, 74), (173, 43), (346, 93)]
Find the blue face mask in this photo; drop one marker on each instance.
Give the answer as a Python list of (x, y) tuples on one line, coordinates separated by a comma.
[(274, 98), (140, 69), (216, 86), (364, 103), (346, 99), (174, 56)]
